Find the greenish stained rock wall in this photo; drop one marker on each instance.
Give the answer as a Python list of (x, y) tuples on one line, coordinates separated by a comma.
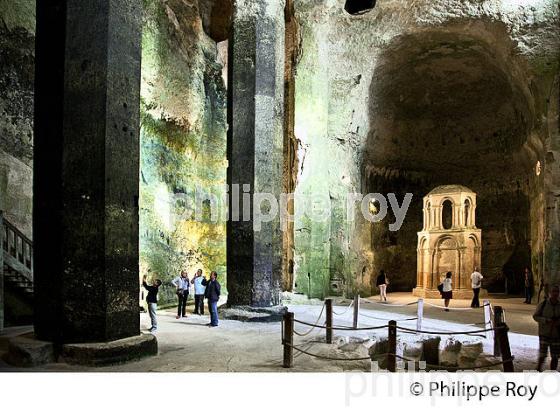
[(17, 59), (183, 143)]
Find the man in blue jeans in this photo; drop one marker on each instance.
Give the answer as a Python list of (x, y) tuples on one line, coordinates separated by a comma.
[(212, 294), (151, 299)]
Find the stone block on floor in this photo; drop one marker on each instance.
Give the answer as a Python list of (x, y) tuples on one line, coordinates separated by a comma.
[(252, 314), (431, 350), (27, 351)]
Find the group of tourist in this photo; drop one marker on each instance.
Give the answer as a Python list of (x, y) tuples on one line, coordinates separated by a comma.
[(203, 289), (446, 288)]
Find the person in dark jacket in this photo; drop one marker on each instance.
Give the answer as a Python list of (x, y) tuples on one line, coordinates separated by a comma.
[(212, 294), (381, 283), (151, 299), (547, 315), (529, 283)]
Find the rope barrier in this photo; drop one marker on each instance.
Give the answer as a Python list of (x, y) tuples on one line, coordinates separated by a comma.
[(479, 323), (327, 357), (345, 310), (303, 348), (340, 327), (310, 342), (385, 318), (406, 359), (469, 332), (313, 327), (389, 304), (437, 333), (312, 332), (452, 308)]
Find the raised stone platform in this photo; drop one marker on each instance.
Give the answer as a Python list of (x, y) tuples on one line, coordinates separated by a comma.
[(457, 293), (122, 350), (27, 351), (252, 314)]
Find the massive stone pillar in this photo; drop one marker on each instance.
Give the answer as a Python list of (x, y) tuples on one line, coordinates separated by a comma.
[(85, 216), (255, 145)]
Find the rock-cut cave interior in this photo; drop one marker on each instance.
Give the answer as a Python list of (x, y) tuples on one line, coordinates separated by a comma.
[(118, 118)]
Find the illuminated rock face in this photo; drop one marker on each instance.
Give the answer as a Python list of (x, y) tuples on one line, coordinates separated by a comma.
[(397, 98), (412, 95), (182, 143), (448, 242)]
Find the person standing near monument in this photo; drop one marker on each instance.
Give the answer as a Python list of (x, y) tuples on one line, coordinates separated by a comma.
[(381, 284), (447, 290), (547, 315), (529, 283), (476, 283)]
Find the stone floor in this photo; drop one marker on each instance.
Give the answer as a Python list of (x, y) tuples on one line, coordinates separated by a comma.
[(188, 345)]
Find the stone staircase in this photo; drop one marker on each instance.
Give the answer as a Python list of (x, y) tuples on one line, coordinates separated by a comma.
[(17, 262)]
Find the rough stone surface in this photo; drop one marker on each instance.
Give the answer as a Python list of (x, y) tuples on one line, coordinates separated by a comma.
[(356, 344), (449, 355), (377, 351), (486, 361), (99, 354), (413, 350), (469, 353), (16, 197), (27, 351), (253, 314), (182, 143), (86, 170), (216, 18), (431, 350), (17, 59), (255, 115)]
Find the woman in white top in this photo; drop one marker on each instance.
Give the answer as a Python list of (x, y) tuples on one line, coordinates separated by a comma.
[(447, 293)]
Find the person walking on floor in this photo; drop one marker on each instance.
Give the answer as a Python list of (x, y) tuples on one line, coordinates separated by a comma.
[(212, 293), (547, 314), (529, 284), (446, 290), (151, 299), (382, 283), (199, 290), (476, 283), (182, 285)]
